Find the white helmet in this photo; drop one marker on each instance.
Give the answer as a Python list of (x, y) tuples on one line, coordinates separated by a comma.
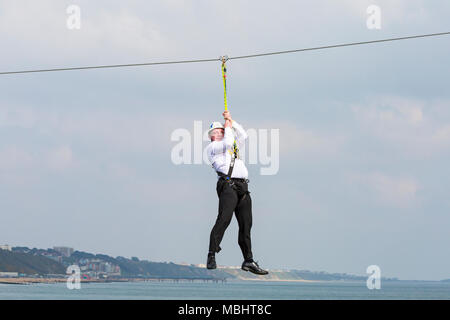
[(215, 125)]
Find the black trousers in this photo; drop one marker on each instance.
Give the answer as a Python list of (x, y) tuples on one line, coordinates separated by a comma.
[(235, 199)]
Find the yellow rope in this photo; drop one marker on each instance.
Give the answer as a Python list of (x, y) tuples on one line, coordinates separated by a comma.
[(224, 76)]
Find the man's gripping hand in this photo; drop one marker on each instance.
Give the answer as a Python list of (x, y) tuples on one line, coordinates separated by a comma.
[(228, 121)]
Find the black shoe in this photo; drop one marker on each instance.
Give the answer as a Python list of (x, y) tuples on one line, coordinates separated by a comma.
[(211, 264), (253, 267)]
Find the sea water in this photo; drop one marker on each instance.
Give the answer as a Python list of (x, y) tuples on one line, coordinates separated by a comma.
[(241, 290)]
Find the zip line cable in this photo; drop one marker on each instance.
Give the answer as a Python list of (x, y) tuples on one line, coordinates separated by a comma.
[(227, 58), (341, 45), (108, 66)]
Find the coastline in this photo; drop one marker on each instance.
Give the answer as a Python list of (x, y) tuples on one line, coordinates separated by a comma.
[(25, 281), (29, 281)]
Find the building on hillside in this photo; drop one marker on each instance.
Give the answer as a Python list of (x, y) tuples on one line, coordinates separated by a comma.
[(5, 247), (95, 267), (65, 251), (8, 274)]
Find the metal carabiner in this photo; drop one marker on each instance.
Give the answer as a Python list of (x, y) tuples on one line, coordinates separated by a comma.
[(223, 58)]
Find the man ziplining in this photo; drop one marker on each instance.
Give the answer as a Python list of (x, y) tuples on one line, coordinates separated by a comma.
[(232, 190), (232, 185)]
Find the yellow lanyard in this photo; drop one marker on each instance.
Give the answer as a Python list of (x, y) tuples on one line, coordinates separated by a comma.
[(224, 76)]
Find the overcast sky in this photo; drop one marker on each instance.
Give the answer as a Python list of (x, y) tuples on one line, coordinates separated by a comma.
[(85, 156)]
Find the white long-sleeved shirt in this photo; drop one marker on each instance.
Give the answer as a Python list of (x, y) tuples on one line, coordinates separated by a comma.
[(219, 152)]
